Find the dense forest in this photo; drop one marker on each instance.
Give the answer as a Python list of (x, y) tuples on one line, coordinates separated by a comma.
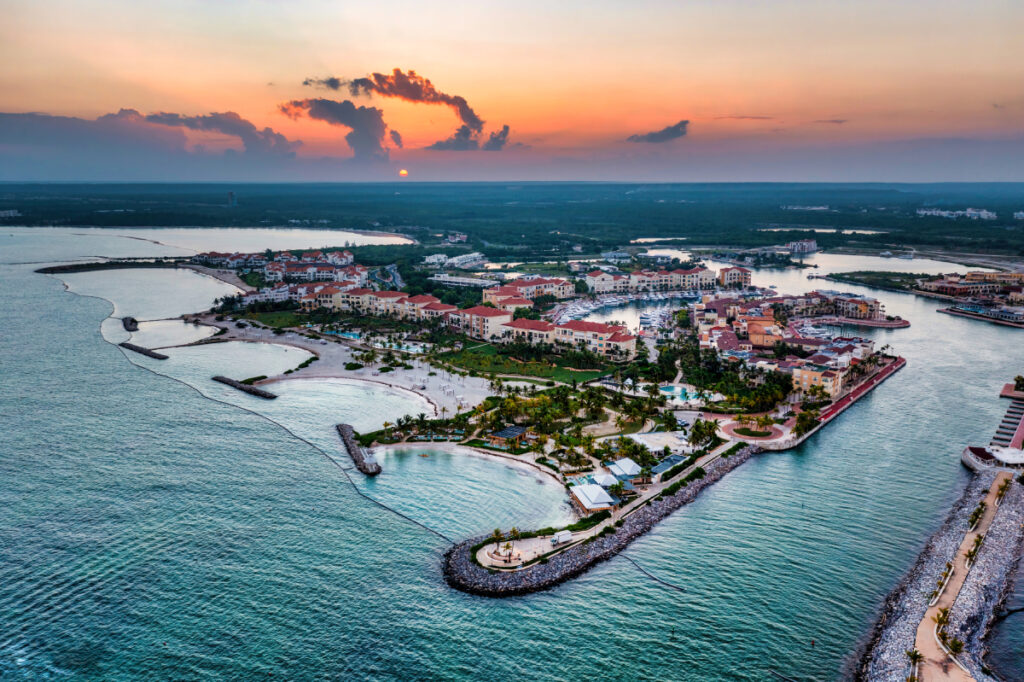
[(517, 220)]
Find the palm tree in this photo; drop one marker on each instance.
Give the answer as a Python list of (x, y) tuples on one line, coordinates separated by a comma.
[(915, 656), (941, 618), (497, 536), (515, 534)]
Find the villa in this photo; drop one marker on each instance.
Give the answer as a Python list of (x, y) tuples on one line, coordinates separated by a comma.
[(589, 498)]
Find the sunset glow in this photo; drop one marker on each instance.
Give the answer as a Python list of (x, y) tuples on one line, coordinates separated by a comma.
[(775, 90)]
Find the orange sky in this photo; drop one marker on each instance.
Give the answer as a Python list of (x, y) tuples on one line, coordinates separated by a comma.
[(576, 77)]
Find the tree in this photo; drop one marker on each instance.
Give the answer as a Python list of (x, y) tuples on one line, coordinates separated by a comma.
[(497, 536), (805, 421), (1018, 383), (915, 656), (515, 535)]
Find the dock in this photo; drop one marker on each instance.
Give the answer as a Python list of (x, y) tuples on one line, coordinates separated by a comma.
[(364, 461), (143, 351), (251, 390)]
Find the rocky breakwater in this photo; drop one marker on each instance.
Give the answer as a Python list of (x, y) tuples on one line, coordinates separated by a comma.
[(463, 573), (989, 582), (143, 351), (363, 461), (251, 390), (884, 655)]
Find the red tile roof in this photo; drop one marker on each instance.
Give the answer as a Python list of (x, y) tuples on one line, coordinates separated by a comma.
[(484, 311), (533, 325), (584, 326)]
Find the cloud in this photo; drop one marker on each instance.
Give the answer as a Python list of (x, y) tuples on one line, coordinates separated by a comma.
[(745, 118), (462, 140), (396, 137), (664, 135), (497, 140), (410, 87), (367, 125), (832, 121), (266, 142)]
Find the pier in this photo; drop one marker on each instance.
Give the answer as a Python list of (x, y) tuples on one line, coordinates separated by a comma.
[(363, 460), (251, 390), (143, 351)]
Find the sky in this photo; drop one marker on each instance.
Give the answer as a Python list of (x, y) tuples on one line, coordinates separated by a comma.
[(716, 90)]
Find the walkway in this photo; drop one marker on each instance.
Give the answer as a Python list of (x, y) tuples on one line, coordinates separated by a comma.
[(937, 664)]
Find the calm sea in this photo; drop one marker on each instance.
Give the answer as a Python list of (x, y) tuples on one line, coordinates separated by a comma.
[(157, 525)]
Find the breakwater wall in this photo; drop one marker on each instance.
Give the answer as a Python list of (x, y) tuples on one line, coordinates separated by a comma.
[(251, 390), (463, 573), (989, 582), (143, 351), (365, 464), (883, 655)]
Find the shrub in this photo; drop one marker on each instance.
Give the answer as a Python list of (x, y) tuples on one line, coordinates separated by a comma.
[(386, 369), (350, 366), (252, 380)]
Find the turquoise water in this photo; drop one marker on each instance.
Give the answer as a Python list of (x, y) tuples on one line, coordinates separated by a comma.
[(675, 391), (152, 532)]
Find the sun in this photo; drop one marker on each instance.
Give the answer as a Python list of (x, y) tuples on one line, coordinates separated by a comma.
[(403, 173)]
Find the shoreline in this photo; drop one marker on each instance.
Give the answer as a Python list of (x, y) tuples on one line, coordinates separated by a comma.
[(450, 446), (461, 572), (987, 584), (983, 318), (882, 653)]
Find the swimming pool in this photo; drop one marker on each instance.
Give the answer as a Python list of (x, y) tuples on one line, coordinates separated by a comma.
[(676, 391)]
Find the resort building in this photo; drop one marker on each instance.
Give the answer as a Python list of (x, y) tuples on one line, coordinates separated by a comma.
[(802, 246), (537, 332), (589, 498), (529, 288), (693, 279), (508, 437), (858, 307), (734, 277), (807, 376), (603, 339), (481, 321)]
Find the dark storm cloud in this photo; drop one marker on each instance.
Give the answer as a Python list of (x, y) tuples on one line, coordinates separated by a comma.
[(396, 137), (745, 118), (366, 137), (497, 140), (410, 87), (265, 142), (462, 140), (832, 121), (664, 135)]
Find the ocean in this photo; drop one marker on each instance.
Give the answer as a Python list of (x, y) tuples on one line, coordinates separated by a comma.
[(157, 525)]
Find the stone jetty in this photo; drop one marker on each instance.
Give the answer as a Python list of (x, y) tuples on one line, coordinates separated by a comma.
[(989, 582), (884, 655), (143, 351), (251, 390), (363, 461), (463, 573)]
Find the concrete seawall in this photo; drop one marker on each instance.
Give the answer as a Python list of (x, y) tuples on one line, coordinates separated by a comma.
[(251, 390), (364, 463), (143, 351), (463, 573)]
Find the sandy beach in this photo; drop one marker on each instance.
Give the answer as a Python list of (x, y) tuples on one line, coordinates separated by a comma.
[(447, 393)]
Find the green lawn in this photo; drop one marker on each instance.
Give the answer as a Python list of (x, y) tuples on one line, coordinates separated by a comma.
[(751, 433), (484, 358), (278, 318)]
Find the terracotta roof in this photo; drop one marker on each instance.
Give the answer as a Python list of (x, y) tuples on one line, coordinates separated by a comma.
[(390, 294), (515, 300), (424, 298), (359, 291), (439, 306), (484, 311), (533, 325), (620, 337), (584, 326)]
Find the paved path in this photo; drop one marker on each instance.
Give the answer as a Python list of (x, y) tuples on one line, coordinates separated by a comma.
[(937, 665)]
